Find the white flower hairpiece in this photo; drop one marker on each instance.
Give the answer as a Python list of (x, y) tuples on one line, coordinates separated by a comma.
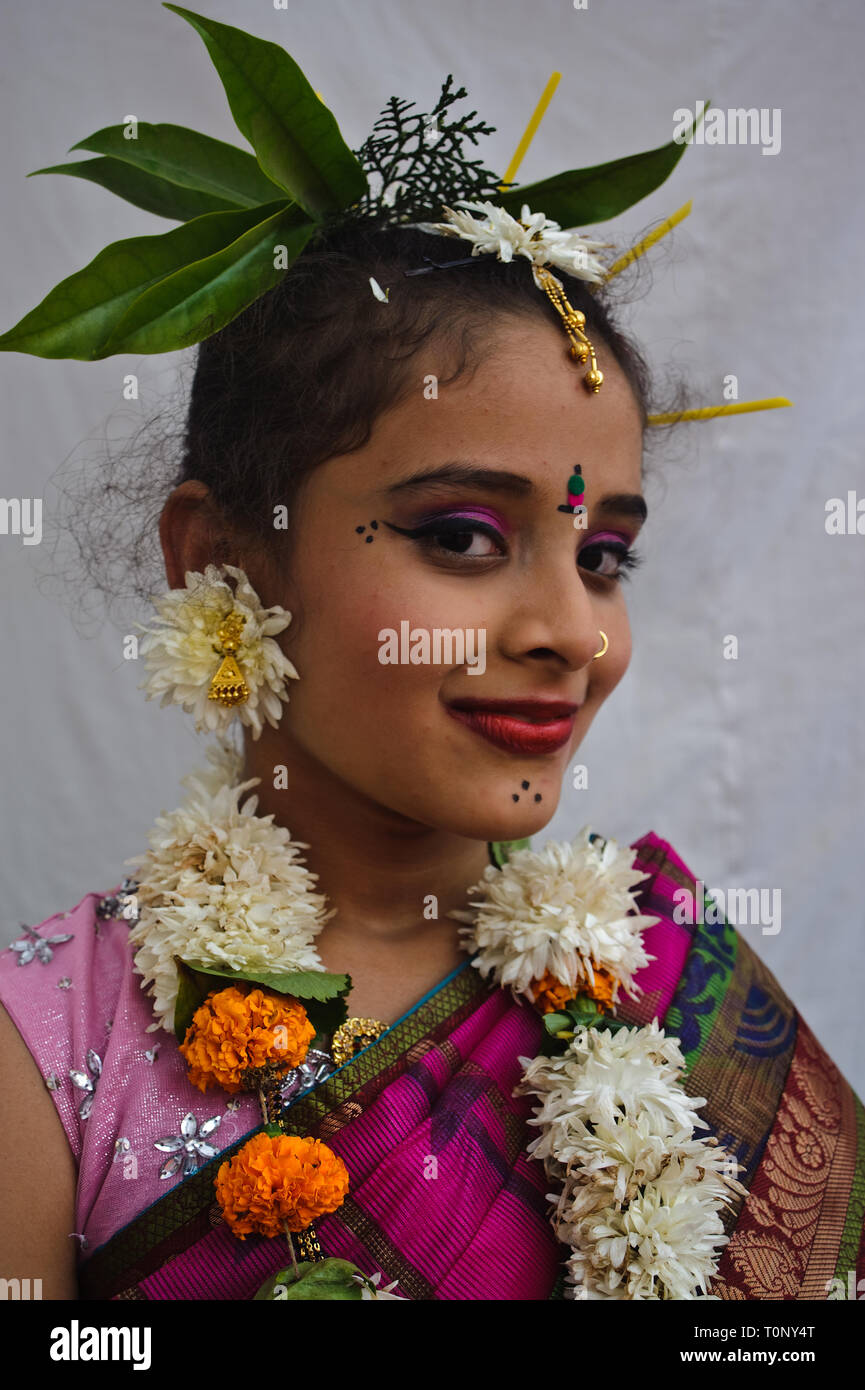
[(565, 908), (534, 236), (223, 887), (181, 650)]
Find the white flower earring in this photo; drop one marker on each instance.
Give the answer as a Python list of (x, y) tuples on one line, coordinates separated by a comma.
[(211, 650)]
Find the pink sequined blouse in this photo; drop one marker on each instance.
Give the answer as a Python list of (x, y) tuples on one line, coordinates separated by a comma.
[(87, 999)]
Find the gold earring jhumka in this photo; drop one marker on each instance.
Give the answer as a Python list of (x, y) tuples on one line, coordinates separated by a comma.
[(228, 685)]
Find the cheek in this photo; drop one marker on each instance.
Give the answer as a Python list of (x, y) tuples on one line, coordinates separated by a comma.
[(346, 605), (609, 669), (616, 659)]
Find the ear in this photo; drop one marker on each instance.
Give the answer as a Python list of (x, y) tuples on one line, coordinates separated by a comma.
[(191, 532)]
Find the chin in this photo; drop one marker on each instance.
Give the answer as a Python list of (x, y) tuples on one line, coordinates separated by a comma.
[(511, 823)]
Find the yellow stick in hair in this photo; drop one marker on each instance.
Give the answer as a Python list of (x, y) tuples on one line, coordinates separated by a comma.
[(530, 130), (650, 240), (709, 412)]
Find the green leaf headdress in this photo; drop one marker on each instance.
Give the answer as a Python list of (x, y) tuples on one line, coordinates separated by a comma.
[(246, 217)]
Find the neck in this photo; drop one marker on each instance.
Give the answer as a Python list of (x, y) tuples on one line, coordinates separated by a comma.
[(385, 874)]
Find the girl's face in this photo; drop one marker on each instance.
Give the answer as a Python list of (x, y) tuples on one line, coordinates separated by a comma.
[(450, 520)]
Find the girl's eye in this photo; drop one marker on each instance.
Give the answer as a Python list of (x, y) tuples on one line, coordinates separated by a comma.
[(456, 536), (609, 559)]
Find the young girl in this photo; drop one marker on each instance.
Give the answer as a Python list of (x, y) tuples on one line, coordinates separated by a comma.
[(406, 459)]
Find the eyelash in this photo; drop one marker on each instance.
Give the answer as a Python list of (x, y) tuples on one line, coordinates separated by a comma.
[(629, 559)]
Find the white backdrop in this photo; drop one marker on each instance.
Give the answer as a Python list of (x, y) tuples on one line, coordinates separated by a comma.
[(751, 768)]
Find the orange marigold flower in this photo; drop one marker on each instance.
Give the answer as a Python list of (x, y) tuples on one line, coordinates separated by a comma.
[(604, 988), (280, 1180), (551, 996), (239, 1037)]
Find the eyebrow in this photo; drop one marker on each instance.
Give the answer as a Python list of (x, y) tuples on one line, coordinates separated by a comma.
[(468, 475)]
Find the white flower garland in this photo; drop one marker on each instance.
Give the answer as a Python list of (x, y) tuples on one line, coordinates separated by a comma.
[(640, 1194), (222, 886), (558, 909)]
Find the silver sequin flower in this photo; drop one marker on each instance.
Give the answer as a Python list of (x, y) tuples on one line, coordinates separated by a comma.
[(86, 1083), (316, 1066), (38, 947), (187, 1147)]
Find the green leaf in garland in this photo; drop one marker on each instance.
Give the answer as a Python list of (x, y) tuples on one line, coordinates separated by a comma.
[(143, 190), (585, 1012), (188, 160), (323, 1279), (556, 1023), (302, 984), (295, 137), (579, 197), (204, 295), (79, 315), (192, 989), (503, 849)]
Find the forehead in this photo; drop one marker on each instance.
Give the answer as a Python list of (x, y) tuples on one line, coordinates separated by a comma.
[(521, 403)]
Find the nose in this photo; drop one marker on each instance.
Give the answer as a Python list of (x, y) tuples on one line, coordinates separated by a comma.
[(554, 618)]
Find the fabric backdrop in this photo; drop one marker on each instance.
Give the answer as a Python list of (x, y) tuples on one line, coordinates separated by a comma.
[(752, 767)]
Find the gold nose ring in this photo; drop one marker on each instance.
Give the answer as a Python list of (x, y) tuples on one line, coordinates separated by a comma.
[(604, 647)]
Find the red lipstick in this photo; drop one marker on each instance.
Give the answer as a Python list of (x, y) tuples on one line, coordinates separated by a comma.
[(518, 726)]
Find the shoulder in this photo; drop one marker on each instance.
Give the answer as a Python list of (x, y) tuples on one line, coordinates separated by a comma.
[(705, 975), (60, 983), (117, 1080)]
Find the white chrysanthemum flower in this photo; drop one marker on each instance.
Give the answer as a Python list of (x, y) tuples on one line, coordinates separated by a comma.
[(180, 650), (640, 1195), (226, 767), (223, 887), (534, 236), (606, 1074), (659, 1247), (563, 908)]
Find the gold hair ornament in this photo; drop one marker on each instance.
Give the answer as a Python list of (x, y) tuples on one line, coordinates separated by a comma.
[(574, 321)]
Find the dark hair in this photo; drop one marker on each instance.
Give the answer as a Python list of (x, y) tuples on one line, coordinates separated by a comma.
[(302, 375)]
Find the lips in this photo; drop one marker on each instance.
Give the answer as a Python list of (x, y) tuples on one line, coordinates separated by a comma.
[(518, 726)]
